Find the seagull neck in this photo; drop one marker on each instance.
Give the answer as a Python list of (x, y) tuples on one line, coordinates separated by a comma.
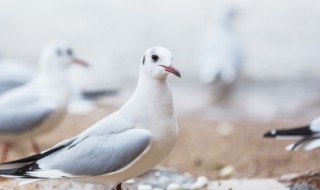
[(151, 96), (148, 85), (53, 86), (54, 78)]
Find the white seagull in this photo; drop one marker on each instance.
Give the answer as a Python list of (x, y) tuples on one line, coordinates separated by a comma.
[(39, 105), (308, 136), (87, 85), (123, 145), (222, 54), (14, 74)]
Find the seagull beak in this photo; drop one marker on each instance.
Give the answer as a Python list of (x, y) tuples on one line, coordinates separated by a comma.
[(172, 70), (80, 62)]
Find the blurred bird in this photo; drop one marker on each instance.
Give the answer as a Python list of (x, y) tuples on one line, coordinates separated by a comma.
[(14, 74), (222, 52), (309, 136), (39, 105), (86, 89), (121, 146)]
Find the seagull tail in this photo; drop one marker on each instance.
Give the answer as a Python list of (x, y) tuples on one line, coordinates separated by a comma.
[(19, 172), (20, 168), (290, 133)]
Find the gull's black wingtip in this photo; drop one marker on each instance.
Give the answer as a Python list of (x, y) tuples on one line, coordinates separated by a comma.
[(270, 134)]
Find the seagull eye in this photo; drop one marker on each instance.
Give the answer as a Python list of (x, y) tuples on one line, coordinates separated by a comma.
[(154, 58), (69, 52)]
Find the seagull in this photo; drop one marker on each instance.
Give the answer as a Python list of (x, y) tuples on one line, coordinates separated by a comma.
[(308, 136), (121, 146), (14, 73), (222, 54), (36, 107), (88, 86)]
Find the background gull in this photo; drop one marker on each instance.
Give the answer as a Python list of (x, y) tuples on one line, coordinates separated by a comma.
[(88, 85), (221, 53), (14, 73), (121, 146), (309, 136), (40, 104)]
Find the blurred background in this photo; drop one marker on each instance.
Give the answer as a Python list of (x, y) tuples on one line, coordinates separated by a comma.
[(277, 86)]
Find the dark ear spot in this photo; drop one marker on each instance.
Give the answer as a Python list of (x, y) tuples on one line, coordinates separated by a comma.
[(143, 59)]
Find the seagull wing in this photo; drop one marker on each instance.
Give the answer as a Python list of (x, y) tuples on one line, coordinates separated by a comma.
[(97, 151), (23, 112), (13, 74), (313, 144), (299, 132)]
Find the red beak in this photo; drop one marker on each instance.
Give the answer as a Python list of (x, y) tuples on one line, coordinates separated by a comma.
[(80, 62), (172, 70)]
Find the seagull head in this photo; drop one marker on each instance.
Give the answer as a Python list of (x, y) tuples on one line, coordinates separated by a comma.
[(58, 55), (157, 63)]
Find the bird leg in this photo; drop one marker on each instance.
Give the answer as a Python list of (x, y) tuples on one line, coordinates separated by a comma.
[(118, 187), (35, 146), (4, 152), (4, 156)]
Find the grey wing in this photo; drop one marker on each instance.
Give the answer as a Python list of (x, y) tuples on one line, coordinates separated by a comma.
[(8, 85), (95, 155), (23, 113), (13, 74)]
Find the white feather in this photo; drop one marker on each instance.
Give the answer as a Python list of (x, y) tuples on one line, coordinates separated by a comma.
[(312, 145), (51, 174)]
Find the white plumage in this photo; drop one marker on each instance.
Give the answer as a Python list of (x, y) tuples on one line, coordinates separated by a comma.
[(123, 145), (39, 105), (221, 52)]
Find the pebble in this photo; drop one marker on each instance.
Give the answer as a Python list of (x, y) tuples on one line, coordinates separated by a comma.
[(144, 187), (173, 186), (130, 181), (201, 182), (226, 172), (163, 179), (225, 128)]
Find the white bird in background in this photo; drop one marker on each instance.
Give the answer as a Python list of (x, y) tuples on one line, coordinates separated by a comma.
[(14, 74), (121, 146), (85, 83), (221, 54), (37, 106), (309, 136)]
